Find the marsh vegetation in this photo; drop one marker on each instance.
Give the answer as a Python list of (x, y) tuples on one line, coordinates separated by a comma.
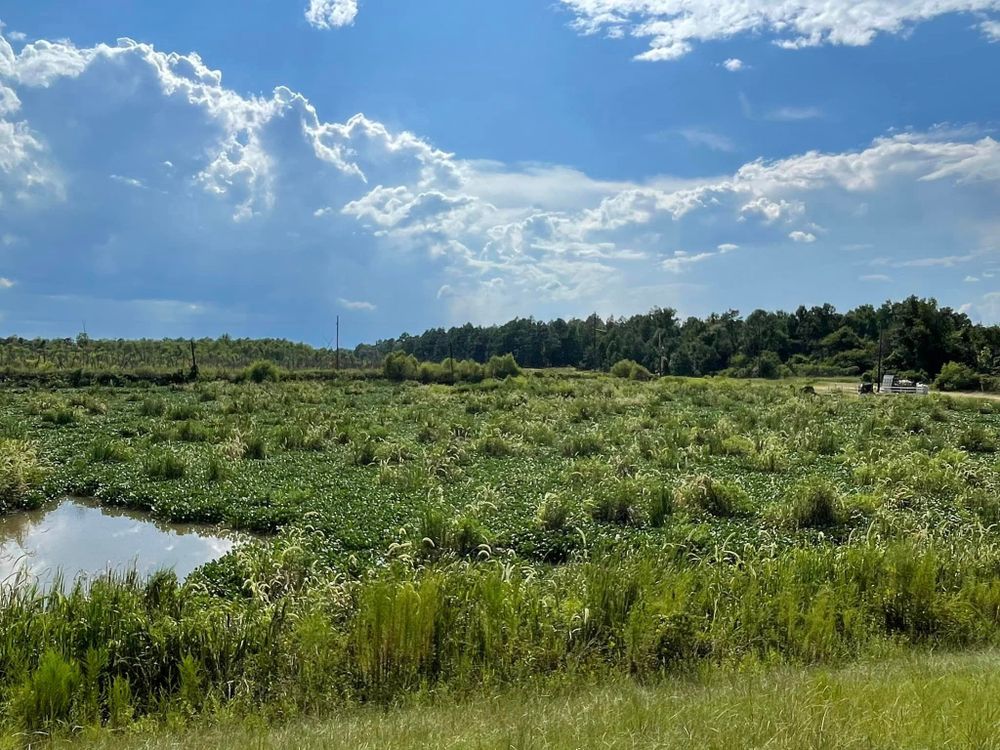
[(446, 539)]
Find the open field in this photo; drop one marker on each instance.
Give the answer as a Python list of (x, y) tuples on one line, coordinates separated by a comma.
[(932, 701), (461, 538)]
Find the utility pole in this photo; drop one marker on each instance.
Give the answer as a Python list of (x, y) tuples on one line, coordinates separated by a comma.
[(659, 352), (878, 370), (597, 360), (194, 363), (337, 355), (451, 360)]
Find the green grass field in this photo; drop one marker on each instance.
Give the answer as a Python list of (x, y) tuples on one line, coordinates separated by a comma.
[(548, 529), (925, 701)]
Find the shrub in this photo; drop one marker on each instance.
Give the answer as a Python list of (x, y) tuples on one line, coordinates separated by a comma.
[(191, 688), (47, 695), (429, 372), (502, 367), (812, 503), (121, 708), (262, 371), (469, 371), (630, 369), (622, 368), (767, 365), (401, 366), (702, 495), (955, 376)]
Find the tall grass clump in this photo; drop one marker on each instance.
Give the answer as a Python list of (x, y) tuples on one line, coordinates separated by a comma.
[(660, 504), (152, 407), (496, 445), (165, 465), (554, 512), (192, 431), (182, 412), (812, 503), (439, 535), (60, 416), (581, 445), (104, 451), (703, 495), (255, 448), (978, 439), (262, 371), (21, 472), (617, 502)]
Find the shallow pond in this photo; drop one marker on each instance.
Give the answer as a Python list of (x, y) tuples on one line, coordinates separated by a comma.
[(78, 537)]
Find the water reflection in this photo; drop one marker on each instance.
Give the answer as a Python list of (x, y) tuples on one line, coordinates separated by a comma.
[(80, 537)]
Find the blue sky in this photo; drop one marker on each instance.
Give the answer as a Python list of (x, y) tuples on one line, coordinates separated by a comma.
[(259, 167)]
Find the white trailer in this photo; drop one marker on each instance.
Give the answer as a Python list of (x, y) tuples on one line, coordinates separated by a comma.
[(891, 385)]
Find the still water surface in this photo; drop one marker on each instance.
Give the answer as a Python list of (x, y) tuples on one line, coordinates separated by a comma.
[(80, 538)]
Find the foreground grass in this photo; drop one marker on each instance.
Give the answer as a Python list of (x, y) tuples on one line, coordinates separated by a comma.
[(925, 701)]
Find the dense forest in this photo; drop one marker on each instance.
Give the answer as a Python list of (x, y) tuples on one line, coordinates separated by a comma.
[(916, 337)]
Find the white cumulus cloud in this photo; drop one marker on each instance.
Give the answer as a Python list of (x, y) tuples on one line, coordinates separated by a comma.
[(673, 27), (331, 14), (270, 215), (356, 305)]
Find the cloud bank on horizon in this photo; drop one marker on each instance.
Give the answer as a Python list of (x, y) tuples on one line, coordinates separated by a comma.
[(137, 187)]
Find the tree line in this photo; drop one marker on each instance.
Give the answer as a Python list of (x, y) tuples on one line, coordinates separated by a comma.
[(167, 355), (916, 338)]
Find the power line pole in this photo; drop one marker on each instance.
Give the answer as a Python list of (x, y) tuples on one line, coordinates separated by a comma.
[(659, 352), (337, 355), (597, 363), (878, 370), (194, 363)]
